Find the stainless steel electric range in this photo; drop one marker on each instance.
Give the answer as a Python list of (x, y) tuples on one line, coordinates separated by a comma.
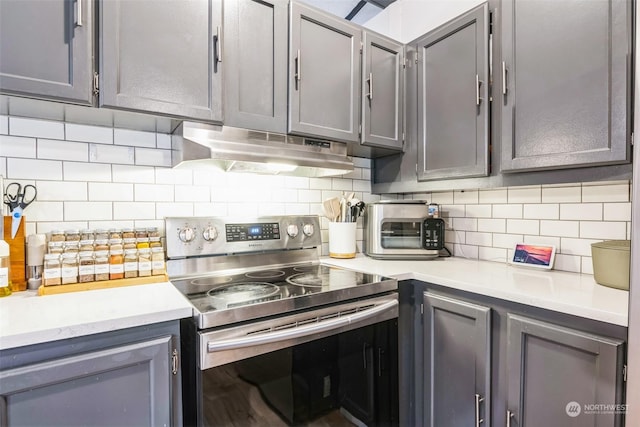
[(277, 337)]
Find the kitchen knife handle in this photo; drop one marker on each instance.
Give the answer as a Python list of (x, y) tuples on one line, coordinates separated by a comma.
[(218, 45), (297, 72), (370, 83), (509, 416), (478, 419), (504, 78), (79, 13)]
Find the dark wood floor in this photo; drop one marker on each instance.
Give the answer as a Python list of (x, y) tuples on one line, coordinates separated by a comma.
[(239, 404)]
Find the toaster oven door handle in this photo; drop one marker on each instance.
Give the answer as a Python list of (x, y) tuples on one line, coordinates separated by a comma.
[(303, 331)]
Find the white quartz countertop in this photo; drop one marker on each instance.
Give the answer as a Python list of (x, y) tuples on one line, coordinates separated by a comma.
[(26, 318), (570, 293)]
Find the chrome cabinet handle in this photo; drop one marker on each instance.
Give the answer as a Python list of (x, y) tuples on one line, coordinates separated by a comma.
[(504, 78), (297, 72), (478, 83), (370, 83), (218, 44), (301, 331), (478, 419), (79, 13), (509, 416)]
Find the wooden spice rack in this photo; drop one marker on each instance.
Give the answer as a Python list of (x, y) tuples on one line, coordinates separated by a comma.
[(104, 284)]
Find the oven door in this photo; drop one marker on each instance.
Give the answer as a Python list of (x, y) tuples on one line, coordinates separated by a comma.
[(333, 366)]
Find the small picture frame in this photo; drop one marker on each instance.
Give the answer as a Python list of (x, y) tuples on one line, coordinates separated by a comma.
[(536, 256)]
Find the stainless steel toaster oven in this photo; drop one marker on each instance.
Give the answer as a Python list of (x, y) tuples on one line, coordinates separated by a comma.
[(402, 229)]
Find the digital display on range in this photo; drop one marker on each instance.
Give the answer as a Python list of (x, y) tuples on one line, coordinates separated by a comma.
[(249, 232)]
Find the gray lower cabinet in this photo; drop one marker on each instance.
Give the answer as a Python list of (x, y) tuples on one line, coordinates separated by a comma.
[(46, 49), (382, 91), (102, 380), (555, 373), (324, 75), (457, 362), (564, 91), (453, 98), (255, 40), (162, 57)]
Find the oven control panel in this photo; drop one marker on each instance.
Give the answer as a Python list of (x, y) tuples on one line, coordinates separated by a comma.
[(202, 236)]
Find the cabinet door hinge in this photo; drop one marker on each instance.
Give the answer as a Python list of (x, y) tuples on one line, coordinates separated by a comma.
[(624, 373), (174, 362), (96, 84)]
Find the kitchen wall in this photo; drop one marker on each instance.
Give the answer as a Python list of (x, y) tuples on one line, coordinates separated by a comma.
[(101, 177)]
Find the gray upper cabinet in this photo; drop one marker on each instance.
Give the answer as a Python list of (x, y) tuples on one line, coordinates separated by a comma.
[(255, 39), (457, 362), (126, 385), (453, 98), (553, 371), (382, 91), (565, 84), (324, 75), (162, 57), (46, 49)]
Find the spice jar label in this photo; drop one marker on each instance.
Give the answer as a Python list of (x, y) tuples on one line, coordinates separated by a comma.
[(51, 273), (69, 272), (131, 266), (144, 265), (102, 268), (86, 270), (116, 268)]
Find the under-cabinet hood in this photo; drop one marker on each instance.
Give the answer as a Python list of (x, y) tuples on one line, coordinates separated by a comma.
[(242, 150)]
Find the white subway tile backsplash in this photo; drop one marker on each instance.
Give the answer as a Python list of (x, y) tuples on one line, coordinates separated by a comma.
[(562, 194), (361, 162), (285, 196), (270, 208), (361, 185), (478, 239), (3, 166), (294, 181), (153, 193), (543, 240), (465, 197), (210, 209), (560, 228), (34, 169), (454, 236), (76, 171), (319, 184), (492, 254), (507, 241), (61, 191), (568, 263), (465, 251), (523, 226), (152, 157), (62, 150), (366, 174), (581, 211), (174, 176), (442, 198), (244, 210), (617, 211), (134, 138), (99, 224), (493, 196), (101, 153), (20, 126), (309, 196), (110, 192), (507, 211), (342, 184), (17, 146), (541, 211), (605, 193), (163, 140), (133, 210), (587, 265), (478, 211), (88, 211), (44, 211), (465, 224), (524, 194), (580, 247), (85, 133), (492, 225), (296, 208), (192, 193), (4, 125), (173, 209), (134, 174), (603, 230)]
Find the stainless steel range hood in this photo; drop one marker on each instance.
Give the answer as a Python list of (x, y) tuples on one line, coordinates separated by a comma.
[(242, 150)]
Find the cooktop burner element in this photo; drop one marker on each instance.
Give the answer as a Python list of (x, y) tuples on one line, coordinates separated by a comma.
[(267, 274), (210, 281), (238, 294), (308, 279)]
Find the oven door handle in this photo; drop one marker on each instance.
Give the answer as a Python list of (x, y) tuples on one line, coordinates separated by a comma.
[(301, 331)]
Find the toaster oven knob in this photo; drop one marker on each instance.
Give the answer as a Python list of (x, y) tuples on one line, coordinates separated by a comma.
[(308, 229), (210, 234), (292, 230), (186, 234)]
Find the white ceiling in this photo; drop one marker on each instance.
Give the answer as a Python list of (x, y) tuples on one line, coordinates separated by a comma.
[(342, 8)]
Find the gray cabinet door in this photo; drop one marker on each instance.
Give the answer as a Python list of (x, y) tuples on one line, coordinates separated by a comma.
[(565, 95), (453, 100), (553, 372), (162, 57), (382, 91), (324, 75), (255, 39), (128, 385), (46, 49), (457, 362)]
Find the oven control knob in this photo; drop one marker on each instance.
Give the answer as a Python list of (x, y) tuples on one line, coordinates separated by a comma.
[(308, 229), (186, 234), (210, 234), (292, 230)]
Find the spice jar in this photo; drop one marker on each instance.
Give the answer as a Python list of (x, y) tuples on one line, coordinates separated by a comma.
[(72, 235), (130, 263), (141, 233), (101, 234), (51, 275), (157, 261), (128, 244), (154, 242), (116, 264), (128, 233), (87, 235), (101, 245), (153, 232), (114, 233), (57, 236), (142, 243), (86, 246), (115, 244), (56, 247), (101, 265), (144, 262), (86, 269), (69, 270), (72, 247)]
